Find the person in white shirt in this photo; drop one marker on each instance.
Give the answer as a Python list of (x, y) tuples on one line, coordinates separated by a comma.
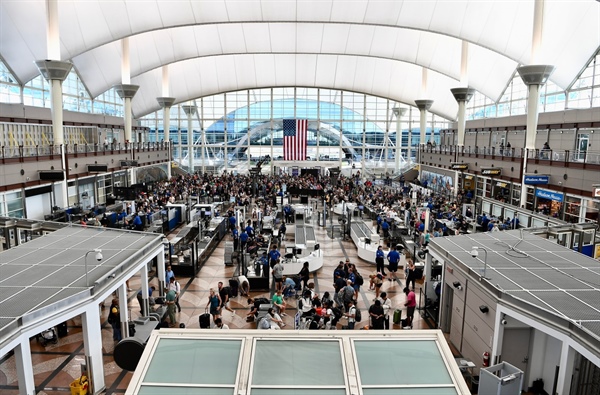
[(274, 319), (351, 314), (386, 303), (220, 325), (174, 286)]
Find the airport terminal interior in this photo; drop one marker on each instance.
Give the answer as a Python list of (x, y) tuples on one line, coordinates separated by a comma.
[(456, 142)]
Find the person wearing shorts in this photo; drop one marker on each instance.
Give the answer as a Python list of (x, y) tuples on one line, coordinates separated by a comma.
[(278, 275), (393, 258)]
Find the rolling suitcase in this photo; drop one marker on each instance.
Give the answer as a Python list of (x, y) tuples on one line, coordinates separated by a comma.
[(233, 288), (62, 330), (397, 316), (204, 320)]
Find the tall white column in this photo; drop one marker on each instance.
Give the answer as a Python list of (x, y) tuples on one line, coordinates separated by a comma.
[(166, 103), (92, 345), (161, 268), (189, 111), (56, 71), (423, 106), (399, 113), (144, 279), (123, 312), (462, 96), (126, 92), (24, 367), (565, 373)]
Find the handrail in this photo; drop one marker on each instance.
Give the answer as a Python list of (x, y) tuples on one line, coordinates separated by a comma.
[(566, 156), (28, 151)]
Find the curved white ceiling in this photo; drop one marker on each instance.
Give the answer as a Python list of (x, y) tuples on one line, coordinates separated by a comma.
[(344, 41)]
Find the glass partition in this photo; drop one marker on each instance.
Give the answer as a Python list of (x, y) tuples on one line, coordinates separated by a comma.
[(207, 366), (402, 366), (317, 361)]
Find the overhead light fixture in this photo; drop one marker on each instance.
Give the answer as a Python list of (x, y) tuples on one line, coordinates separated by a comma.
[(483, 308), (457, 285)]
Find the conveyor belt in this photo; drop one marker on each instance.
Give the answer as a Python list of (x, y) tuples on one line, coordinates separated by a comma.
[(310, 234), (300, 235), (361, 229)]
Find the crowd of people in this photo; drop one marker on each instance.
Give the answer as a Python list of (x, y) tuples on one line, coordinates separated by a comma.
[(259, 193)]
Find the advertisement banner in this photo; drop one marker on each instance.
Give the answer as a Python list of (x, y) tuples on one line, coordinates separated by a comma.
[(542, 193), (536, 179)]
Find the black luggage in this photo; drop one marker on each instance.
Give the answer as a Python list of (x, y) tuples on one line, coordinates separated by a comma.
[(233, 288), (61, 329), (204, 320), (131, 325)]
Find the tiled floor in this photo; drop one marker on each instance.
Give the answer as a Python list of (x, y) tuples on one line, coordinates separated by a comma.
[(57, 365)]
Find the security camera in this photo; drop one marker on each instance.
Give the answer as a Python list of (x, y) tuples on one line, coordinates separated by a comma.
[(98, 254), (475, 252), (503, 321)]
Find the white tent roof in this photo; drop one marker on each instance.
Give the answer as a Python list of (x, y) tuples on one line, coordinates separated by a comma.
[(376, 47)]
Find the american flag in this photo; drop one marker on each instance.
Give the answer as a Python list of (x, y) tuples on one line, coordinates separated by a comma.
[(295, 133)]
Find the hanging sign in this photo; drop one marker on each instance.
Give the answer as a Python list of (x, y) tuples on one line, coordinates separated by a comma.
[(459, 166), (549, 195), (596, 191), (536, 179), (491, 171)]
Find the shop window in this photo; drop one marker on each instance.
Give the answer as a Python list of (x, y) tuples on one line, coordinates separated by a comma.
[(572, 209), (516, 195), (530, 199)]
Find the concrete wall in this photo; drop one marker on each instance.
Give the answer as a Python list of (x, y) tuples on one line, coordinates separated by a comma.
[(472, 332), (547, 118), (21, 112), (545, 357)]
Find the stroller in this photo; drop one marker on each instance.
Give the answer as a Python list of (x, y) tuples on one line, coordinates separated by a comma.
[(48, 336)]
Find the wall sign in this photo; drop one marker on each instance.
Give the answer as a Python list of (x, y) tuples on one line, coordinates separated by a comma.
[(596, 191), (534, 179), (491, 171), (542, 193), (459, 166)]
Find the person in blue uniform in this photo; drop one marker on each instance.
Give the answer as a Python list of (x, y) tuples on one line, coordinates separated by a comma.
[(385, 226), (236, 238), (243, 240), (379, 260), (274, 255), (393, 258)]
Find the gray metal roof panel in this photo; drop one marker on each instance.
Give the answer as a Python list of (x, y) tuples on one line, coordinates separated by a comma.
[(51, 268), (560, 280), (27, 300), (567, 305), (548, 276), (526, 279)]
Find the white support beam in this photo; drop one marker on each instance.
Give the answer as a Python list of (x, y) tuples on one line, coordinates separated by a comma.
[(92, 344)]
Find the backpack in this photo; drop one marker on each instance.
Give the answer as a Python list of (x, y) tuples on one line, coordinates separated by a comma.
[(359, 279), (262, 301), (264, 323), (357, 315)]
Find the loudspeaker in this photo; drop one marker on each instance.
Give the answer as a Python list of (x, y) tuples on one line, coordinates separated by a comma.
[(52, 175), (97, 168)]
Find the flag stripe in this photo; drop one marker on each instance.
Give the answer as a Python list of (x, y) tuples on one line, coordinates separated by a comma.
[(295, 138)]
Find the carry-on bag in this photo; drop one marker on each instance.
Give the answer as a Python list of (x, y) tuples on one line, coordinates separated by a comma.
[(204, 320), (397, 316)]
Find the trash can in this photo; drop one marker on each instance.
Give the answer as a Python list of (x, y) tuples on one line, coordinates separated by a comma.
[(79, 386), (475, 385)]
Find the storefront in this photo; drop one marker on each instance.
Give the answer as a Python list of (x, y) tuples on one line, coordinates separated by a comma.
[(438, 182), (502, 191), (549, 203)]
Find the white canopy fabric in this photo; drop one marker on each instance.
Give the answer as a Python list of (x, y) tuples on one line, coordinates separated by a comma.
[(373, 46)]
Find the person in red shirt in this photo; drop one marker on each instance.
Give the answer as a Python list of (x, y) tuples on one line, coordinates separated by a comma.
[(411, 303)]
